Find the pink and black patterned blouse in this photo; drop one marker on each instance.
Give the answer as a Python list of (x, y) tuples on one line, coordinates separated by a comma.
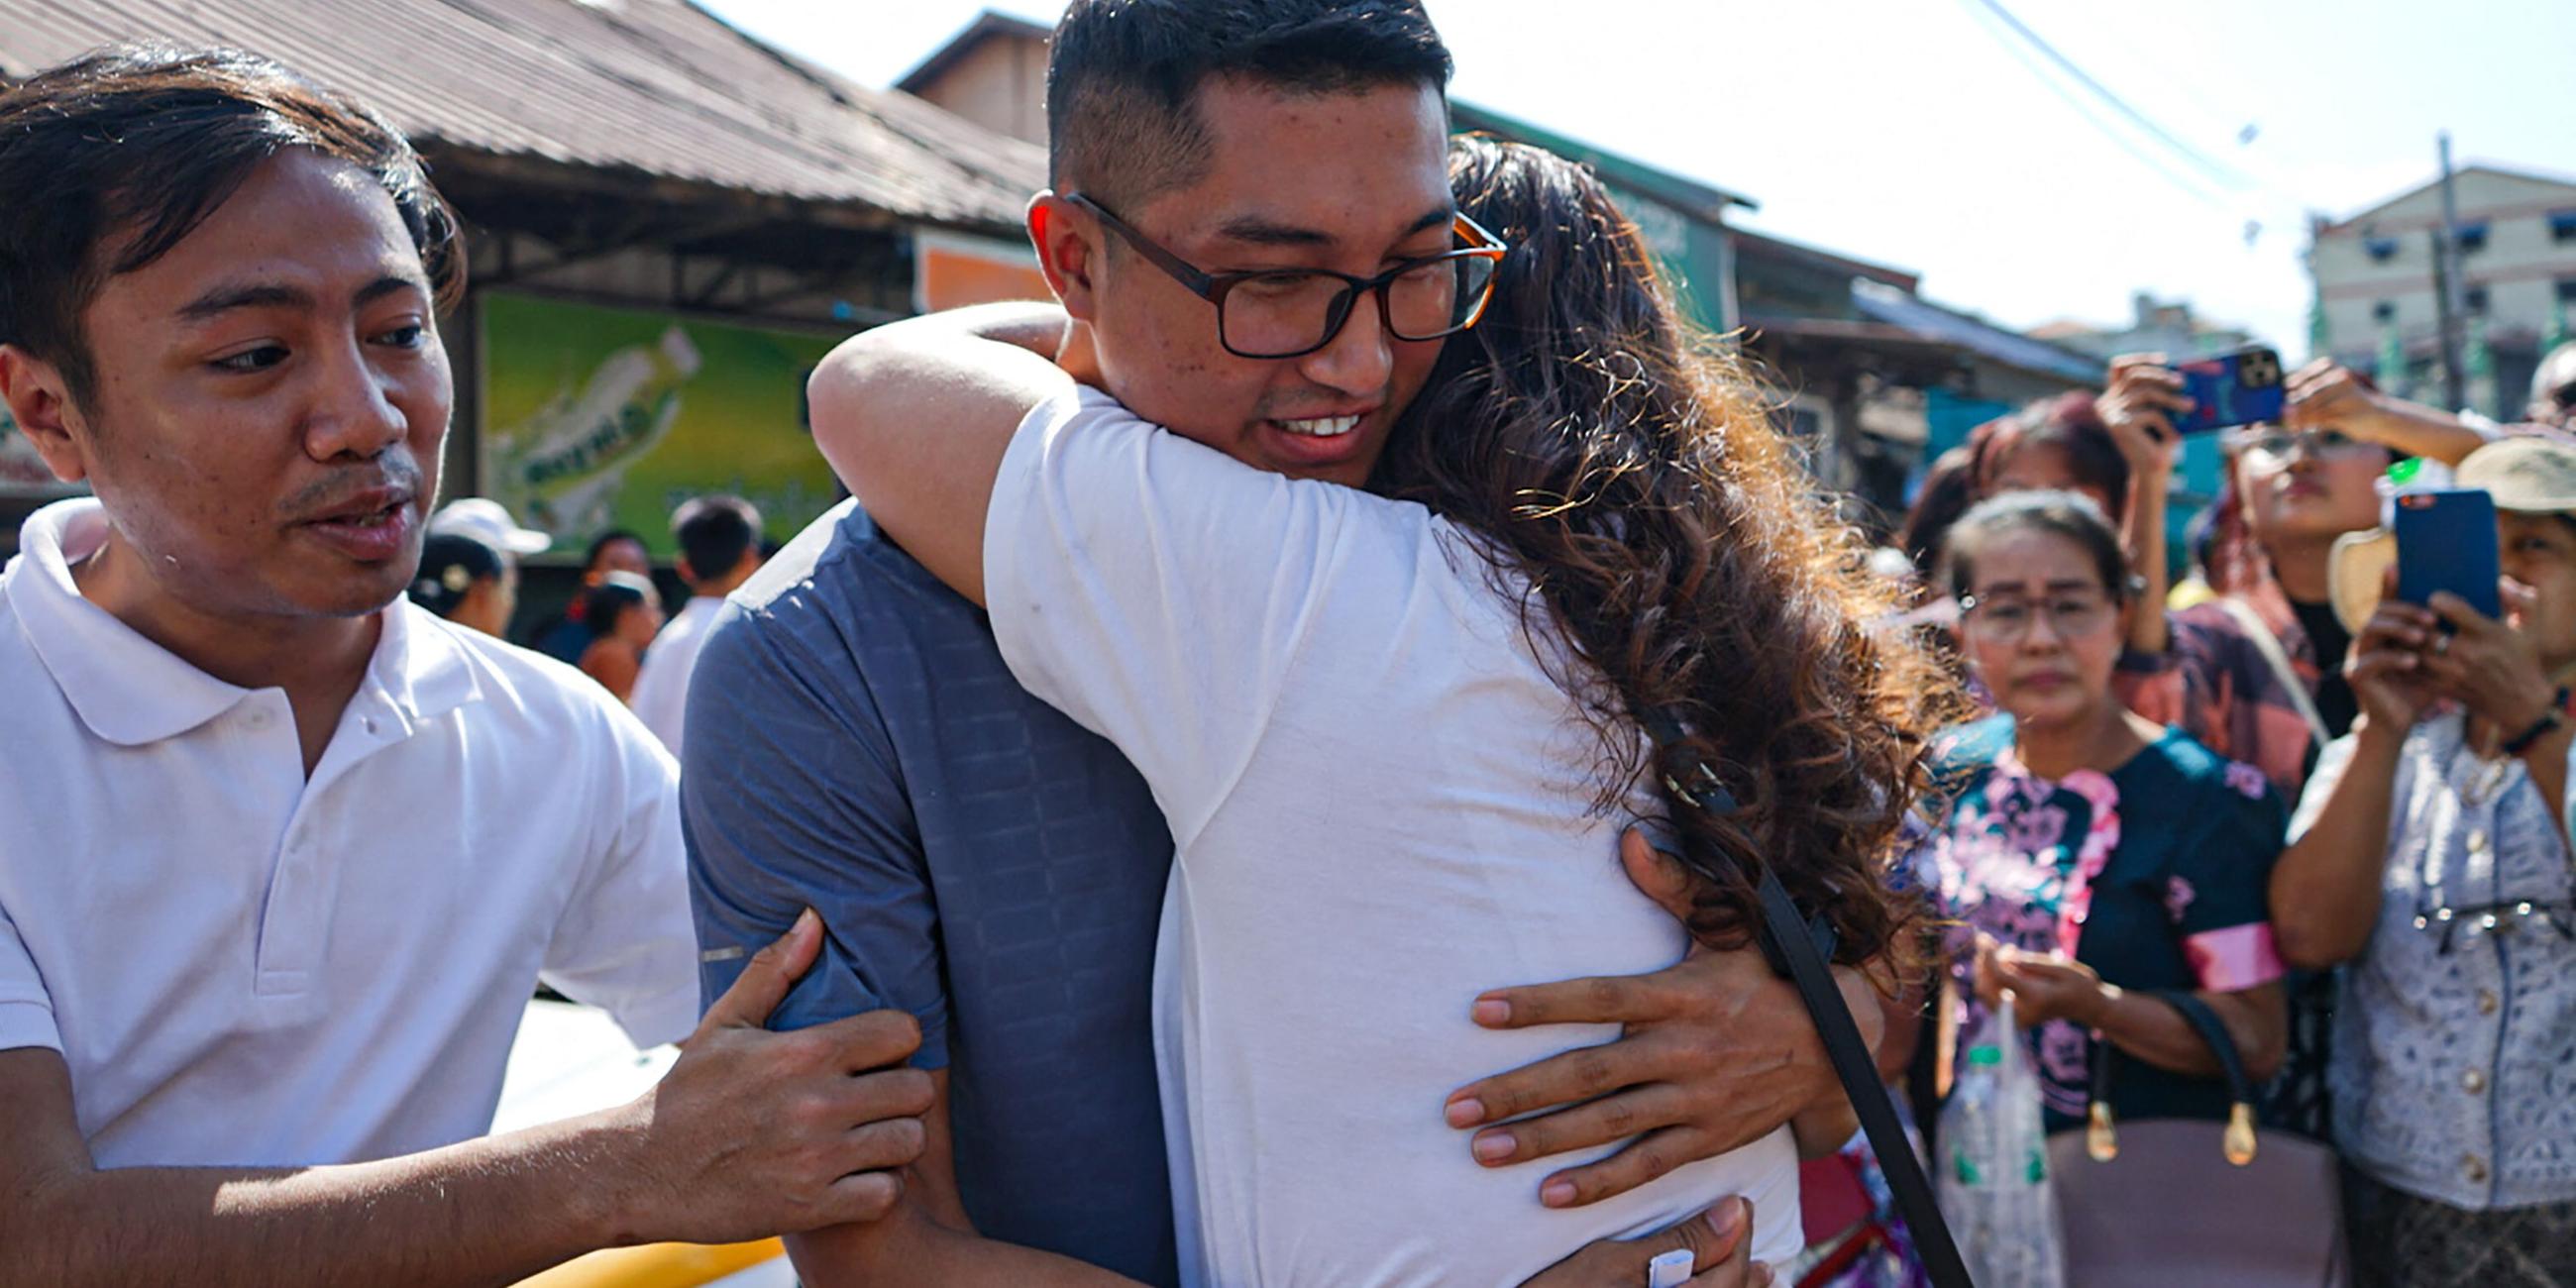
[(2153, 874)]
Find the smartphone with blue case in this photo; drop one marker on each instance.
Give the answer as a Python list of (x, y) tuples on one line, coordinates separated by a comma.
[(2240, 388), (2446, 540)]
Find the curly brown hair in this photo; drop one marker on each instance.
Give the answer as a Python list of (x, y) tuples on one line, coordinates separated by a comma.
[(1627, 469)]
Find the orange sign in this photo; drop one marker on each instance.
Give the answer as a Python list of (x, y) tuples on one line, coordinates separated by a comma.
[(951, 271)]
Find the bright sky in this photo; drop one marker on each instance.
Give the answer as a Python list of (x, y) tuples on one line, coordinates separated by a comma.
[(1918, 133)]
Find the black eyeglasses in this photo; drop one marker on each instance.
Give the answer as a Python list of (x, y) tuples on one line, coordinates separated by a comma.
[(1292, 312), (2073, 614)]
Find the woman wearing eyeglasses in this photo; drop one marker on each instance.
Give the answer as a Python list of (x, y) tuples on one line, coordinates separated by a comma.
[(2432, 855), (2257, 672), (2094, 854)]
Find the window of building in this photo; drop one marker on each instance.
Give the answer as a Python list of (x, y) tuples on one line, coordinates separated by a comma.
[(2382, 249), (2472, 237), (2383, 311), (2474, 299), (2562, 226), (2567, 290)]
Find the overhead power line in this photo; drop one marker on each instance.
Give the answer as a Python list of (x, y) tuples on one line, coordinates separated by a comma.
[(2214, 168), (2191, 184)]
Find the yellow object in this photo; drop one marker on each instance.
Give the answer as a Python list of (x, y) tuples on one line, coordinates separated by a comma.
[(2188, 592), (2100, 1141), (657, 1265), (2240, 1134)]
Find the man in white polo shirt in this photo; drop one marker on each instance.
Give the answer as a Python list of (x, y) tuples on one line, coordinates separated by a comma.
[(282, 856)]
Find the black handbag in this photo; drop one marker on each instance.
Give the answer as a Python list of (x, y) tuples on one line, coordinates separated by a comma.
[(2232, 1205)]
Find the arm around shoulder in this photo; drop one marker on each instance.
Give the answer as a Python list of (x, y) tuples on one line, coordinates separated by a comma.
[(914, 417)]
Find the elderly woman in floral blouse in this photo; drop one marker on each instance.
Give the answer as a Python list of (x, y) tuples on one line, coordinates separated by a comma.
[(2093, 851), (2432, 853)]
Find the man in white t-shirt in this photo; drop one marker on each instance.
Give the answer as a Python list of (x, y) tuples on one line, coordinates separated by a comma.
[(719, 551), (283, 856), (1328, 155)]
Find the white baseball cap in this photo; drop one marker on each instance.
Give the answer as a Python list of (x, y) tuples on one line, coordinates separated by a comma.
[(489, 522)]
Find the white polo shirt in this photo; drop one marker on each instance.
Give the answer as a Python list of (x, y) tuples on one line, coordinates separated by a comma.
[(243, 967)]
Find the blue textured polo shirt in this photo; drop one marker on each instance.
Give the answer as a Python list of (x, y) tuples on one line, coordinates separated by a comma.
[(856, 744)]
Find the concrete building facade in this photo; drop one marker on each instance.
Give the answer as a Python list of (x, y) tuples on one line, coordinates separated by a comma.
[(2376, 281)]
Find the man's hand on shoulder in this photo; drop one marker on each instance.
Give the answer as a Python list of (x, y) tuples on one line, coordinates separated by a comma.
[(1717, 1052), (754, 1133)]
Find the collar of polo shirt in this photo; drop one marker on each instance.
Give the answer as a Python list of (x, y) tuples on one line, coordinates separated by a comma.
[(131, 691)]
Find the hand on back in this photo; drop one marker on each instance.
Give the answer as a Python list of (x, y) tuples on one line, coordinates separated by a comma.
[(754, 1133), (1716, 1053)]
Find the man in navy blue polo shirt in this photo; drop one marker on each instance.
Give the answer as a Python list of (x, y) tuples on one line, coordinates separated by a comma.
[(857, 743)]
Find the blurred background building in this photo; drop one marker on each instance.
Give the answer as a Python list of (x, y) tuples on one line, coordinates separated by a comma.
[(2378, 281)]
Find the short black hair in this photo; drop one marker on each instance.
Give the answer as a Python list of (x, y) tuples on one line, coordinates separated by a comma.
[(715, 532), (599, 546), (616, 595), (1123, 76), (143, 143), (2071, 515), (449, 566)]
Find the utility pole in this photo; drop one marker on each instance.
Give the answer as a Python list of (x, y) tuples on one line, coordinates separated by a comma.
[(2449, 298)]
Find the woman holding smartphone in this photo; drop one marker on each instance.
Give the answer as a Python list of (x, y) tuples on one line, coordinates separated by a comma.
[(2431, 854)]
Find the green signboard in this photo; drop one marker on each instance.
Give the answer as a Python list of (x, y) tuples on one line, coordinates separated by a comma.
[(598, 418)]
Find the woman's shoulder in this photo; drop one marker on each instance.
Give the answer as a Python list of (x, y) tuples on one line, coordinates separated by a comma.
[(2215, 633), (1966, 748), (608, 658), (2188, 765)]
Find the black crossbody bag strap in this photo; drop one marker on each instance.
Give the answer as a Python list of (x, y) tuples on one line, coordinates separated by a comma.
[(1789, 941)]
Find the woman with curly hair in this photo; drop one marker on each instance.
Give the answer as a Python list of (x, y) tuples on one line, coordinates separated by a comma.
[(1398, 734)]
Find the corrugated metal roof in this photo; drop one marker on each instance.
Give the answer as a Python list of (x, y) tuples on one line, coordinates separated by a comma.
[(657, 87), (1883, 303)]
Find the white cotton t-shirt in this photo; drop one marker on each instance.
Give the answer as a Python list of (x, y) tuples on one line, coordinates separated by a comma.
[(1382, 807), (245, 966), (661, 696)]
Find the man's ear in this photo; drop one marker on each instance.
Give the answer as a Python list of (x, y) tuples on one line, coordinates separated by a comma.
[(1068, 247), (40, 401)]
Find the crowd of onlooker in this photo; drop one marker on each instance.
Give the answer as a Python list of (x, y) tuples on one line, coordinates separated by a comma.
[(1124, 893), (614, 627), (2273, 794)]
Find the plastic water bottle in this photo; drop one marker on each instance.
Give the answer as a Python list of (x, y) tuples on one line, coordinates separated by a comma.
[(1994, 1185), (566, 463)]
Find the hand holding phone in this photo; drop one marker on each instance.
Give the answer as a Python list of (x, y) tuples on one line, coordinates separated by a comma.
[(2446, 540), (2240, 388), (2141, 405)]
